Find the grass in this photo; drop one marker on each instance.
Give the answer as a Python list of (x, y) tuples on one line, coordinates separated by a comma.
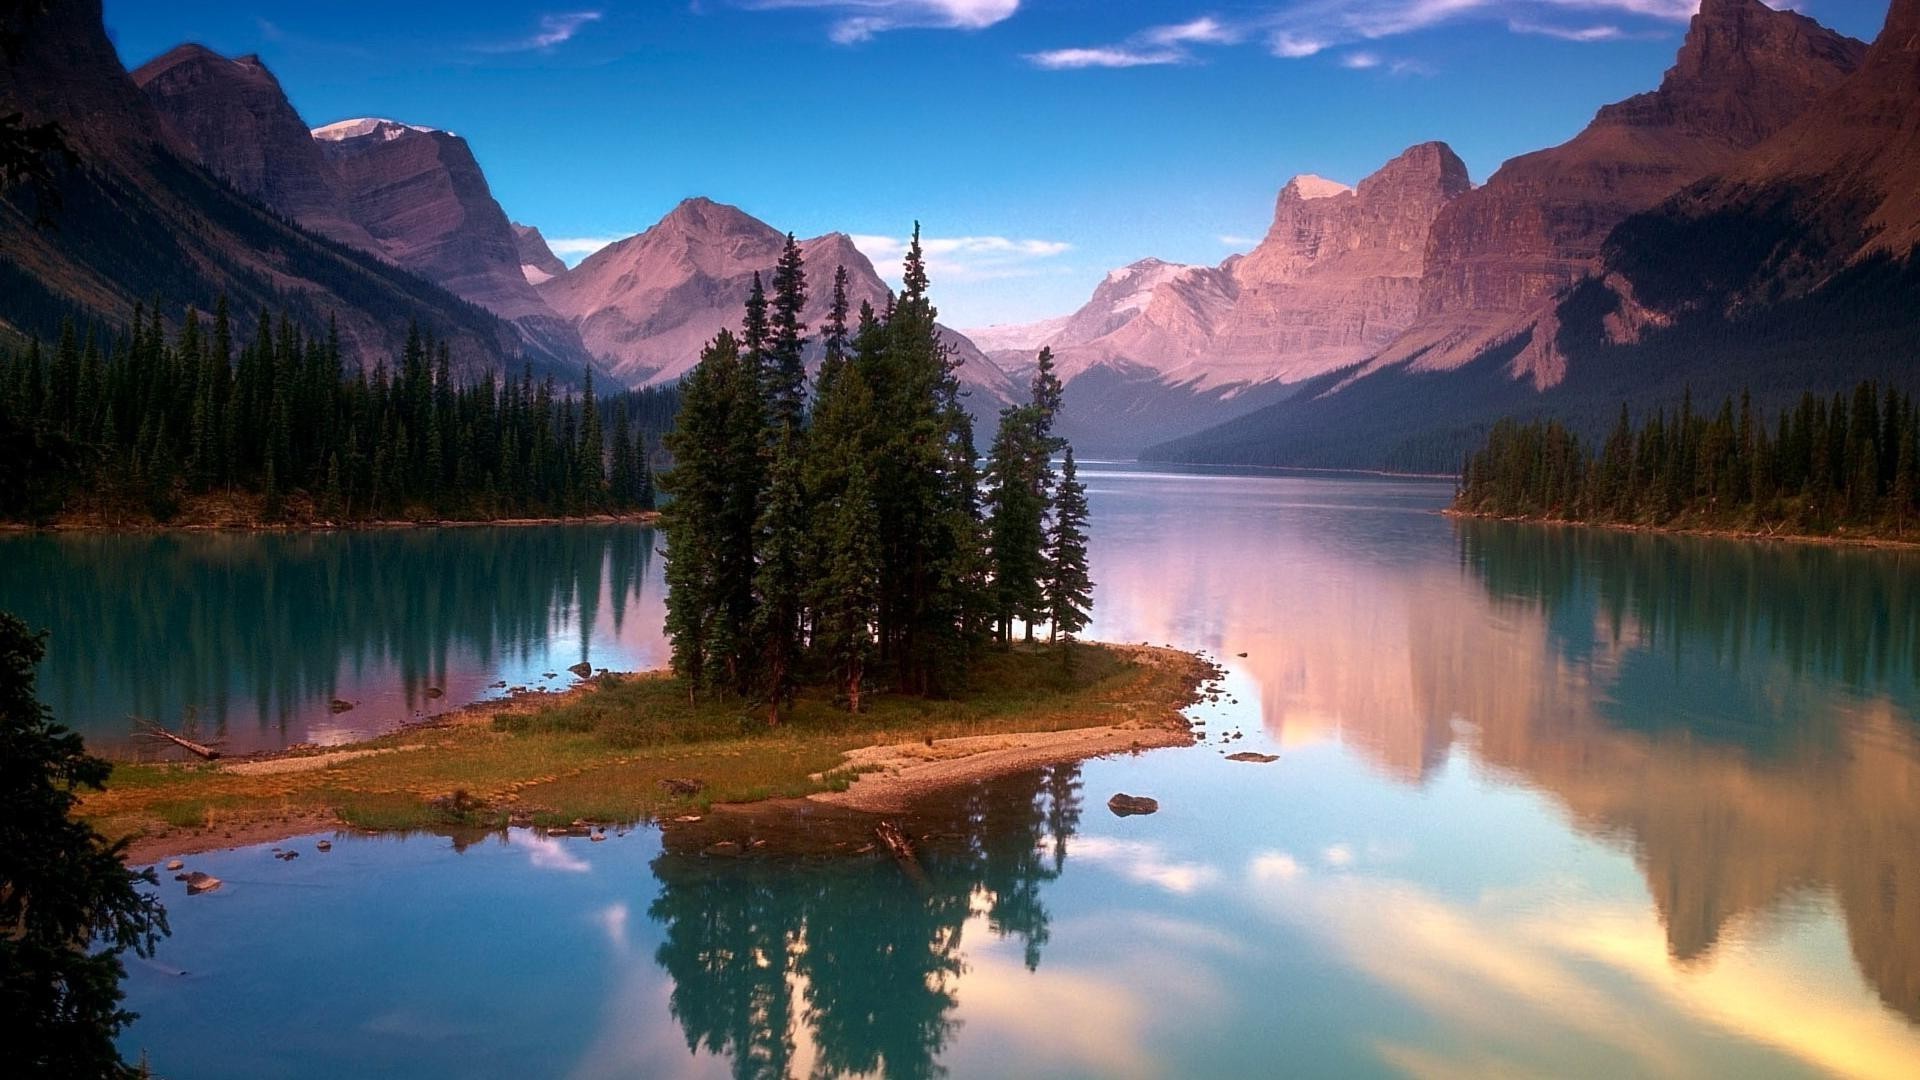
[(602, 752)]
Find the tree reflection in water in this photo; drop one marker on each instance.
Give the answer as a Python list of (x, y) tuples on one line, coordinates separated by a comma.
[(854, 957)]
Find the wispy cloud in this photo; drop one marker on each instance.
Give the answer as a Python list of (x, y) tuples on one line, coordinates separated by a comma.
[(1169, 44), (964, 258), (860, 20), (1311, 27), (558, 29), (571, 249), (1567, 33), (1236, 241), (555, 29)]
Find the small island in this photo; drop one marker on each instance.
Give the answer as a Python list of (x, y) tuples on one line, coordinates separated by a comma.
[(1844, 469), (620, 749)]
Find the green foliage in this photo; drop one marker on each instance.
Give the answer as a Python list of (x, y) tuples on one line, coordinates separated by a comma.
[(69, 907), (818, 549), (1845, 464), (135, 424), (1069, 586)]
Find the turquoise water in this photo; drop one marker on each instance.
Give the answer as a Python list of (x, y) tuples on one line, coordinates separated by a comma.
[(1549, 802)]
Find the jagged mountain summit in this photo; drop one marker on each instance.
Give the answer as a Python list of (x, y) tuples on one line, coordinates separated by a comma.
[(647, 304)]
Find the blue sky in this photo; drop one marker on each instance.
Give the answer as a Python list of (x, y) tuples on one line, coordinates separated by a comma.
[(1040, 142)]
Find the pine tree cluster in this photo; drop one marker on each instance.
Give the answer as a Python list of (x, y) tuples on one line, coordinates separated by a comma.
[(138, 424), (843, 534), (1845, 464)]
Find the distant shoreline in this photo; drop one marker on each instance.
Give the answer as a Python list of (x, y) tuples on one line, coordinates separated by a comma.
[(1862, 541), (1279, 468), (642, 517)]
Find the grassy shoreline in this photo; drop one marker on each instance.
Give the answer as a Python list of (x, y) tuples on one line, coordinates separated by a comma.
[(1863, 540), (615, 750)]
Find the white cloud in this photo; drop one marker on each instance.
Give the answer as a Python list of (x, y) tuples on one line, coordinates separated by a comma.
[(546, 853), (571, 249), (1567, 33), (1310, 27), (860, 20), (963, 258), (1167, 44), (1104, 56), (1206, 30), (1146, 863), (1337, 855), (1236, 241), (558, 29)]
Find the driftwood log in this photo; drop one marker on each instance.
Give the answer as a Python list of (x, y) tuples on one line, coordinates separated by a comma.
[(153, 730), (901, 848)]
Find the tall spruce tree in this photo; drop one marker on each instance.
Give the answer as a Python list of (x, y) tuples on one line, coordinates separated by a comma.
[(1069, 588)]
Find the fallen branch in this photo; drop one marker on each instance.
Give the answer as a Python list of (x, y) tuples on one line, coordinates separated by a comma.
[(901, 849), (153, 730)]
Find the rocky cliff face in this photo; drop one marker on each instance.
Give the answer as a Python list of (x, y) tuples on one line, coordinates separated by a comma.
[(238, 123), (1496, 256), (538, 263), (648, 304), (421, 195), (1338, 275), (140, 218)]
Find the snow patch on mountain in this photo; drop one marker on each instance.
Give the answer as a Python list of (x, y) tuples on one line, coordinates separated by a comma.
[(342, 130)]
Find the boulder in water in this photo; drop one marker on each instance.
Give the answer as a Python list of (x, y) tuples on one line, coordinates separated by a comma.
[(198, 883), (1249, 755), (1125, 805), (582, 670)]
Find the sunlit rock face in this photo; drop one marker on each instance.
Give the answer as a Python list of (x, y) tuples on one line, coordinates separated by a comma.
[(647, 304)]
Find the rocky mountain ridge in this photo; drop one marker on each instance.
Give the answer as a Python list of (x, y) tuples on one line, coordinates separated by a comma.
[(646, 305)]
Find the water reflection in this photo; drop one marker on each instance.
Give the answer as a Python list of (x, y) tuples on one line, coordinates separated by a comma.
[(1741, 715), (250, 637), (846, 968)]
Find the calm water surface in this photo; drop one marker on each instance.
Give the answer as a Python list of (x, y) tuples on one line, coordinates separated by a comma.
[(1549, 802)]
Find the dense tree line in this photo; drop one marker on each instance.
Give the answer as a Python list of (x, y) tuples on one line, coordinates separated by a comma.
[(133, 422), (1848, 463), (847, 530)]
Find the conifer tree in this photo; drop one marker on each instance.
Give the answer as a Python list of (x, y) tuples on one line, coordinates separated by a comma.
[(779, 583), (786, 361), (1069, 589)]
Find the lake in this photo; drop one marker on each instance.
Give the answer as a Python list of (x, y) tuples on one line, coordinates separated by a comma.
[(1549, 801)]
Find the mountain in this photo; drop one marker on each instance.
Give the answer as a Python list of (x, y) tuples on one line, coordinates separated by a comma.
[(139, 217), (421, 195), (1781, 261), (1498, 256), (1339, 274), (237, 122), (410, 195), (647, 304), (1834, 191), (1163, 349), (538, 263)]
